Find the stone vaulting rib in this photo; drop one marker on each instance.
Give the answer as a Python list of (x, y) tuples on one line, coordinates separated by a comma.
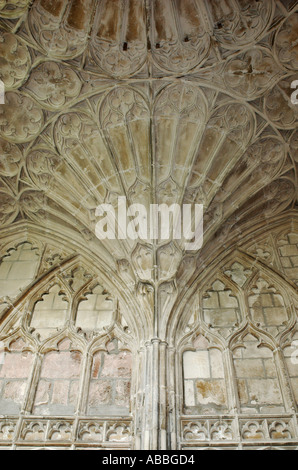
[(158, 101)]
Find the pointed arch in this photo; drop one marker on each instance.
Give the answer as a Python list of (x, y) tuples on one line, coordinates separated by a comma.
[(18, 267), (269, 304), (202, 371), (94, 308), (58, 387), (256, 372), (15, 373), (289, 345), (110, 383)]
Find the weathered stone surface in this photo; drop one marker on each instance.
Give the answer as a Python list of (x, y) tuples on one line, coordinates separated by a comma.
[(143, 343)]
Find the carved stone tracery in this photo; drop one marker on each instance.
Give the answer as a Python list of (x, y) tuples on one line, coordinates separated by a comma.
[(160, 101)]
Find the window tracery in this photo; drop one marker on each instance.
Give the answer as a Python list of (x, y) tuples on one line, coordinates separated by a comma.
[(68, 353), (256, 356)]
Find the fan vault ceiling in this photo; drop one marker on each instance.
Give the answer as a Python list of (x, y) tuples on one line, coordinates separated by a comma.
[(181, 101)]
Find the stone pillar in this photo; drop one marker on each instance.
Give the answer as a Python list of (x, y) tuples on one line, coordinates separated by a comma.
[(152, 404)]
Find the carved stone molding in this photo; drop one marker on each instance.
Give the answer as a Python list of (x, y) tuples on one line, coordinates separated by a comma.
[(20, 119), (160, 102)]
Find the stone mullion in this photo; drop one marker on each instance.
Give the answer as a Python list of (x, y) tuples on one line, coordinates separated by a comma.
[(155, 393), (173, 415), (84, 384), (28, 402), (33, 384), (284, 381), (152, 423), (231, 382), (154, 390), (140, 397), (163, 405), (147, 412), (83, 392)]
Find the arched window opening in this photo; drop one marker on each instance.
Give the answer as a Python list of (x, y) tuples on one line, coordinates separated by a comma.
[(221, 309), (96, 311), (50, 313), (58, 387), (267, 307), (18, 269), (291, 359), (110, 384), (258, 386), (288, 254), (14, 376), (204, 380)]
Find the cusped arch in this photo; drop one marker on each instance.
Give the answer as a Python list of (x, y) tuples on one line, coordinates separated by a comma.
[(203, 374), (257, 370), (18, 267), (111, 375), (187, 342), (15, 370), (269, 303), (58, 388), (50, 310)]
